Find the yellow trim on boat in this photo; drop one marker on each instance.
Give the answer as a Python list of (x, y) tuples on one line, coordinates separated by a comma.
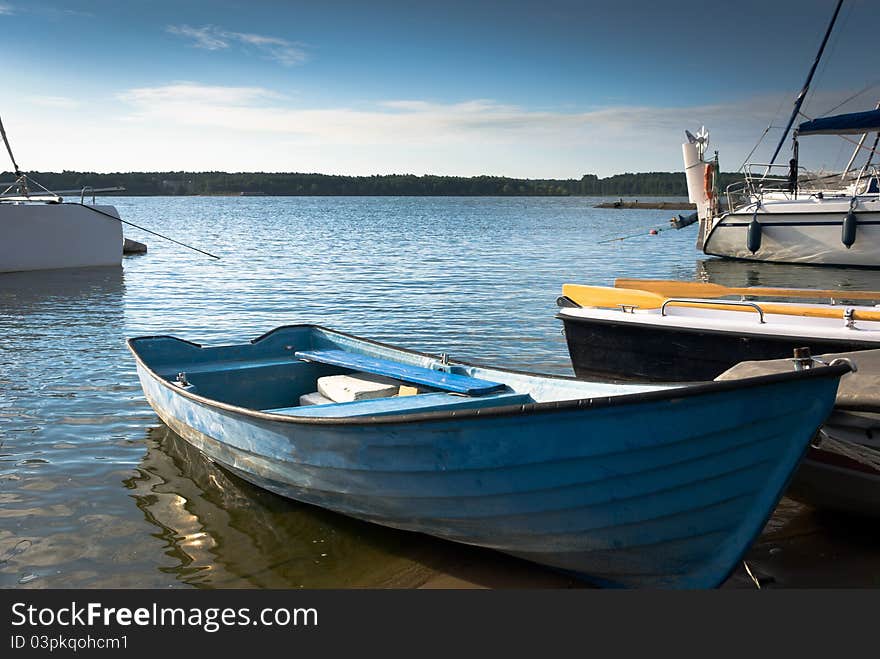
[(673, 288), (606, 297)]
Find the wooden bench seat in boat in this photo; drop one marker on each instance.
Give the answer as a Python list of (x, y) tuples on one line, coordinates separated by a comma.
[(404, 405), (452, 382)]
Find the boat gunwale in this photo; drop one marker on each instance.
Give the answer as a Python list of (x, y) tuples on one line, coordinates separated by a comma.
[(685, 391), (762, 211), (564, 316)]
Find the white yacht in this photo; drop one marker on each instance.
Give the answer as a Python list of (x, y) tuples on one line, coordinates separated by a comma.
[(41, 231), (781, 213), (791, 218)]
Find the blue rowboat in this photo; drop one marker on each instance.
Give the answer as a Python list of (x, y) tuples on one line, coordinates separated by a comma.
[(624, 485)]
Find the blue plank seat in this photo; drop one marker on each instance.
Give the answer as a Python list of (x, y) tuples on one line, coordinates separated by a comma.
[(397, 405), (452, 382)]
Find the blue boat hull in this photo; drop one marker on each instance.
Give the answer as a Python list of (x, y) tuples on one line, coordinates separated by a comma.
[(661, 490)]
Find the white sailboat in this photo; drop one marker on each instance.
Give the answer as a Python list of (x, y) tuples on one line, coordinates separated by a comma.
[(41, 231), (791, 219), (780, 213)]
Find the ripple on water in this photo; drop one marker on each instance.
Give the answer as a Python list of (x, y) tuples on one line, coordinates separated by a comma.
[(103, 496)]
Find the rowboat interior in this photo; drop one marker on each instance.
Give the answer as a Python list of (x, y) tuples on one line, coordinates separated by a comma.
[(281, 374)]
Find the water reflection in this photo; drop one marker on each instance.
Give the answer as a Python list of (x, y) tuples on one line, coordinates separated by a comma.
[(222, 532), (22, 292), (54, 326), (65, 411), (54, 323), (474, 277), (218, 531), (752, 273)]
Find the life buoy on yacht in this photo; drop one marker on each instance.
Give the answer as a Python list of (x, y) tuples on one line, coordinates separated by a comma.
[(707, 181)]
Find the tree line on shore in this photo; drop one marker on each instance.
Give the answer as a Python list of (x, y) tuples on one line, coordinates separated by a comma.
[(262, 183)]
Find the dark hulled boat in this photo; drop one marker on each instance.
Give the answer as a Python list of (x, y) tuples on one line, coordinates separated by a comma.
[(624, 334)]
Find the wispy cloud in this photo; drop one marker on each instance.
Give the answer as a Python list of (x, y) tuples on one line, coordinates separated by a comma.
[(203, 37), (77, 12), (257, 109), (211, 37), (51, 13), (62, 102), (255, 128), (418, 126), (183, 96)]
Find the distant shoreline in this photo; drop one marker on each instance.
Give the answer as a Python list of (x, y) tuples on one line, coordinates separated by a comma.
[(627, 198), (258, 184)]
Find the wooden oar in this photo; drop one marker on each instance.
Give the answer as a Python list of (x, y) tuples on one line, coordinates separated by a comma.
[(672, 288), (611, 298), (606, 296)]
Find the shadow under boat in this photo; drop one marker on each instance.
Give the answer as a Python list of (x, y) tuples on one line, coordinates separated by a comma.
[(224, 532), (806, 548)]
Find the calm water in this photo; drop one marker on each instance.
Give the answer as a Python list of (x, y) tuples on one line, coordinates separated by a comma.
[(95, 491)]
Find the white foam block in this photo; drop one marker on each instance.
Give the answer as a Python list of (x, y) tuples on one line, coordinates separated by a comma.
[(313, 398), (357, 386)]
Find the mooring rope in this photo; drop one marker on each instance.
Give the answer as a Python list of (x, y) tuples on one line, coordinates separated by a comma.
[(155, 233), (870, 457)]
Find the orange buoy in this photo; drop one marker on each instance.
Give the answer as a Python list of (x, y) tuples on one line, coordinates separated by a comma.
[(707, 181)]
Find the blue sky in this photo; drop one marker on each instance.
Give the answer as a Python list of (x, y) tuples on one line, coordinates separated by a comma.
[(556, 88)]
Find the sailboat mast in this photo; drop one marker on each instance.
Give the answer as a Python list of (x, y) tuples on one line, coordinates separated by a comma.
[(803, 93), (9, 149)]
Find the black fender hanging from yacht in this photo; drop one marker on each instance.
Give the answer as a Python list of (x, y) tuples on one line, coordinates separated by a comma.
[(753, 239), (849, 227)]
